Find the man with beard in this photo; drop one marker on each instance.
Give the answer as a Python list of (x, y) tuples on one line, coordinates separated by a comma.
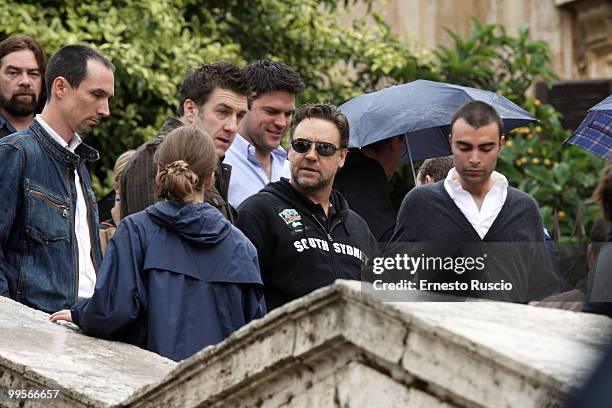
[(22, 69), (49, 243), (213, 98), (304, 232)]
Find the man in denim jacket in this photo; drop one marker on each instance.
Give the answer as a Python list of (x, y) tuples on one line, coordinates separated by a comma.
[(49, 244)]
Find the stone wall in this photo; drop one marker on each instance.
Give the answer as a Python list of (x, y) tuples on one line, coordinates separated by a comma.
[(335, 347), (87, 372)]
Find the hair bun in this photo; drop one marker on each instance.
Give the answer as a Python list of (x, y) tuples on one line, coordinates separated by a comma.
[(177, 167), (181, 168)]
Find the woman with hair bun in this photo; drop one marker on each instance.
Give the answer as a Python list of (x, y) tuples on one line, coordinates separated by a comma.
[(177, 276)]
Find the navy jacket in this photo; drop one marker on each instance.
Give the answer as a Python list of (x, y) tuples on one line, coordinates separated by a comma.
[(39, 264), (176, 278)]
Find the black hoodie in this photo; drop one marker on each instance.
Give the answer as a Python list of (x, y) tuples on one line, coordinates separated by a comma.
[(299, 250)]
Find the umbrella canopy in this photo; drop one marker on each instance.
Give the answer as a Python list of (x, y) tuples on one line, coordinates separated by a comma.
[(595, 132), (422, 110)]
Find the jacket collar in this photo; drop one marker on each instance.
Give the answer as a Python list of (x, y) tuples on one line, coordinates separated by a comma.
[(82, 152), (4, 123)]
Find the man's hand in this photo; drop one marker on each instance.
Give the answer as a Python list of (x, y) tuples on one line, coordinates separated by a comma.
[(61, 315)]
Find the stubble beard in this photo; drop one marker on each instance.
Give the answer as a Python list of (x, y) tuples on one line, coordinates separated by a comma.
[(310, 186)]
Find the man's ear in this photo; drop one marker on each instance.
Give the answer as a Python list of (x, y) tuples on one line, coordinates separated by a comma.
[(342, 158), (502, 142), (59, 87), (191, 110), (429, 179)]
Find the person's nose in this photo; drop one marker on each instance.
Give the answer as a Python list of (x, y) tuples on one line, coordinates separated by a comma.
[(311, 153), (104, 109), (231, 125), (474, 157), (25, 80), (280, 121)]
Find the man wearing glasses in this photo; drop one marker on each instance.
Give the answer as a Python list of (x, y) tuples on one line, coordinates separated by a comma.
[(366, 173), (305, 234)]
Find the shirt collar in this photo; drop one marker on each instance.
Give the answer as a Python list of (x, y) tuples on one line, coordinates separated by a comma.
[(453, 186), (76, 140), (4, 123), (248, 149)]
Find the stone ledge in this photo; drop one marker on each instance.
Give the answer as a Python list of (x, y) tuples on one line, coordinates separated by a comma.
[(37, 354), (440, 350)]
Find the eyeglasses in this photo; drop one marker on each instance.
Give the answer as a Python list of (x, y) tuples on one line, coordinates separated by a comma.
[(323, 149)]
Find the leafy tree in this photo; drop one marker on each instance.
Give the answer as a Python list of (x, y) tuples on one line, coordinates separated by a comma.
[(559, 177), (153, 42)]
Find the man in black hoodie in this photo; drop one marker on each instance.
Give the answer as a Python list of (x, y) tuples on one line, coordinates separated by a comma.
[(304, 232)]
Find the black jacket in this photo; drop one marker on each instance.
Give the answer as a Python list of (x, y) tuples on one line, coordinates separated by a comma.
[(300, 250), (364, 177)]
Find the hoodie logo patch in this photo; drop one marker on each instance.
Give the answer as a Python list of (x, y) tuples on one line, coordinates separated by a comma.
[(292, 218)]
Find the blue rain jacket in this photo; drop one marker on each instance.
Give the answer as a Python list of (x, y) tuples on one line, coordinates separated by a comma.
[(176, 278)]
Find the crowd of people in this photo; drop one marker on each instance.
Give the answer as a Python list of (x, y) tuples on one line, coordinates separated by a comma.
[(214, 223)]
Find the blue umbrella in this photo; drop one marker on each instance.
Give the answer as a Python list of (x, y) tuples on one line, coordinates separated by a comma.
[(595, 132), (422, 110)]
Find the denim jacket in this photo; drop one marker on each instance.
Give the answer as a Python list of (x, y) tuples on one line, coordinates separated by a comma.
[(38, 245)]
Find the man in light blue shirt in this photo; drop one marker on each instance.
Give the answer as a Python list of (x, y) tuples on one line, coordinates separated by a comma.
[(256, 156)]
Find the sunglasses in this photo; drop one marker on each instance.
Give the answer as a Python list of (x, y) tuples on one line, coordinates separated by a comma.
[(323, 149)]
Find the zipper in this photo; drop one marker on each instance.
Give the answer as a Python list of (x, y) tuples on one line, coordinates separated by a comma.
[(330, 239), (52, 203), (75, 251), (92, 241)]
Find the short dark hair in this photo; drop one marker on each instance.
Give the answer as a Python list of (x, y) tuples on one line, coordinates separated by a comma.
[(265, 76), (70, 62), (201, 82), (478, 114), (437, 168), (324, 111)]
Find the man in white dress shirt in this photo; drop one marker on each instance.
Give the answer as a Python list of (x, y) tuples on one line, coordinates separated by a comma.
[(475, 204)]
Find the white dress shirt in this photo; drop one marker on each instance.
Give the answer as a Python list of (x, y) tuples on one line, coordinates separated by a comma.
[(87, 273), (493, 202)]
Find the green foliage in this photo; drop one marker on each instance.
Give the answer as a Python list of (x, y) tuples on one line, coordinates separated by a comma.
[(151, 45), (153, 42), (493, 60), (558, 176)]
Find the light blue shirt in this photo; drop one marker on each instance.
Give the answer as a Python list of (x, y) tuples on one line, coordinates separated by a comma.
[(248, 175)]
